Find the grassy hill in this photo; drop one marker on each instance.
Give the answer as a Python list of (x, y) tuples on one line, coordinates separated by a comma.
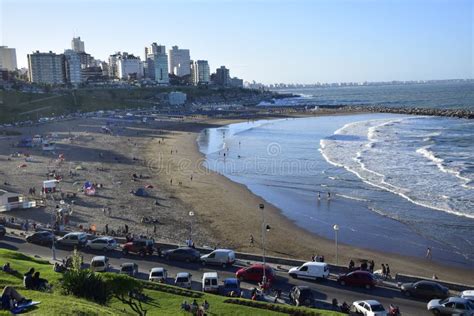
[(164, 299)]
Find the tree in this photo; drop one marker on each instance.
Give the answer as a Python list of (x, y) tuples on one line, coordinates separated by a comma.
[(127, 290)]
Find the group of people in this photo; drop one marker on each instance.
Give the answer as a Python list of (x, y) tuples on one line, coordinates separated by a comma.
[(194, 307), (32, 281), (365, 265), (317, 258)]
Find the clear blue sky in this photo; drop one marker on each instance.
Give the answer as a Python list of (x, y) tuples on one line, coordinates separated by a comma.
[(267, 41)]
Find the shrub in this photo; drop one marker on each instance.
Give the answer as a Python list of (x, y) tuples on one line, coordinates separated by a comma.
[(86, 284)]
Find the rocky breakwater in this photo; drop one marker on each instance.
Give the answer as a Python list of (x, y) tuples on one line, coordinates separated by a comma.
[(460, 113)]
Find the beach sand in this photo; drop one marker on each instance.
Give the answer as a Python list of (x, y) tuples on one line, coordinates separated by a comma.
[(166, 154)]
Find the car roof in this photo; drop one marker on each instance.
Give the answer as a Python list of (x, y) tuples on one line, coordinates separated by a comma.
[(360, 272), (458, 299), (231, 280), (75, 233), (182, 274), (313, 263), (468, 293), (302, 287), (223, 250), (370, 302), (127, 264), (157, 269), (98, 258), (104, 238), (259, 265), (209, 275)]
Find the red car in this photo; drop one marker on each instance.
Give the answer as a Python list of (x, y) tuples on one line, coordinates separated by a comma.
[(254, 273), (357, 278)]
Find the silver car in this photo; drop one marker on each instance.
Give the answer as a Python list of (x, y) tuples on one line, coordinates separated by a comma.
[(451, 306)]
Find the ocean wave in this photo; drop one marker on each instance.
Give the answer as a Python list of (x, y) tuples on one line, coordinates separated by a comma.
[(351, 157)]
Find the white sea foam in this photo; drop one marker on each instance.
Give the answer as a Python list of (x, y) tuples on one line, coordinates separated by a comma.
[(407, 172)]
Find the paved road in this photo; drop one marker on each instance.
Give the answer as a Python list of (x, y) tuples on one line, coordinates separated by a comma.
[(323, 290)]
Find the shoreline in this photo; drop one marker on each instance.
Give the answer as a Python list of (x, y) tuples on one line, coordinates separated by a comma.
[(225, 212), (298, 242)]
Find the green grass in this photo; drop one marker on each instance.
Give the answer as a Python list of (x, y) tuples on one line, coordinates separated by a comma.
[(161, 301)]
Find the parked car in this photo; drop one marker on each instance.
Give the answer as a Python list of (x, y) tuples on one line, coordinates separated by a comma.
[(254, 273), (357, 278), (222, 257), (44, 238), (100, 264), (158, 275), (231, 286), (142, 247), (77, 239), (425, 289), (102, 243), (3, 231), (210, 282), (187, 254), (301, 296), (451, 306), (468, 294), (368, 308), (129, 268), (310, 270), (183, 279)]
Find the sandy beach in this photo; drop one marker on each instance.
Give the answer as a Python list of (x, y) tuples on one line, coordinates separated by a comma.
[(164, 156)]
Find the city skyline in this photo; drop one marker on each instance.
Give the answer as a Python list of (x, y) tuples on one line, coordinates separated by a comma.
[(275, 41)]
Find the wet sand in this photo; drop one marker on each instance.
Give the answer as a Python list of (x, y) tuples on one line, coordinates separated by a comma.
[(166, 154)]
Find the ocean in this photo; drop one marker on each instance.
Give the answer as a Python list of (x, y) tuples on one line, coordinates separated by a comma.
[(450, 95), (397, 183)]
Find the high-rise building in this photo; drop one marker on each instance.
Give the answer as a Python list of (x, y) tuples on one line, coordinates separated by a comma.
[(73, 67), (77, 45), (46, 68), (222, 76), (7, 58), (157, 63), (112, 71), (201, 72), (129, 67), (179, 61)]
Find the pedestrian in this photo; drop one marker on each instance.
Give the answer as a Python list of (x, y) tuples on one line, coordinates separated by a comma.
[(154, 228), (319, 195), (106, 229), (251, 240), (322, 258), (428, 253), (371, 266), (313, 258), (329, 195), (384, 270), (351, 265), (171, 181), (191, 177), (126, 229), (387, 275)]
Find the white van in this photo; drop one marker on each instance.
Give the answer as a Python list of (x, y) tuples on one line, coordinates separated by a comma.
[(210, 282), (222, 257), (310, 270), (100, 264)]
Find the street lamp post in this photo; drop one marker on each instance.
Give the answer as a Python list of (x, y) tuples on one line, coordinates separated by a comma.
[(264, 228), (191, 214), (336, 229)]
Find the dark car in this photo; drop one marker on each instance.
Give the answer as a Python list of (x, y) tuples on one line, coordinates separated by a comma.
[(231, 286), (44, 238), (187, 254), (425, 289), (254, 273), (142, 247), (357, 278), (3, 231), (301, 296)]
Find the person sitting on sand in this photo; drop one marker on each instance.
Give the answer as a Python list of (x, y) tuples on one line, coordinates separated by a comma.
[(11, 297)]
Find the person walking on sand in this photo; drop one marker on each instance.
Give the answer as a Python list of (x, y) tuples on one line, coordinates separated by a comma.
[(384, 270), (387, 272), (428, 253), (251, 240), (106, 229)]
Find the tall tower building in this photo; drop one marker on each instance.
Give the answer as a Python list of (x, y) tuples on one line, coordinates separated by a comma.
[(222, 76), (77, 45), (7, 58), (157, 63), (179, 61), (201, 72), (46, 68), (73, 69)]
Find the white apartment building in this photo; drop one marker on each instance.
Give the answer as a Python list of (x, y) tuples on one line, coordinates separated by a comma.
[(129, 65), (77, 45), (201, 72), (7, 58), (179, 61), (46, 68), (73, 67)]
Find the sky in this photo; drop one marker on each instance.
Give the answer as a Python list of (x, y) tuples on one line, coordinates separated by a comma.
[(269, 41)]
